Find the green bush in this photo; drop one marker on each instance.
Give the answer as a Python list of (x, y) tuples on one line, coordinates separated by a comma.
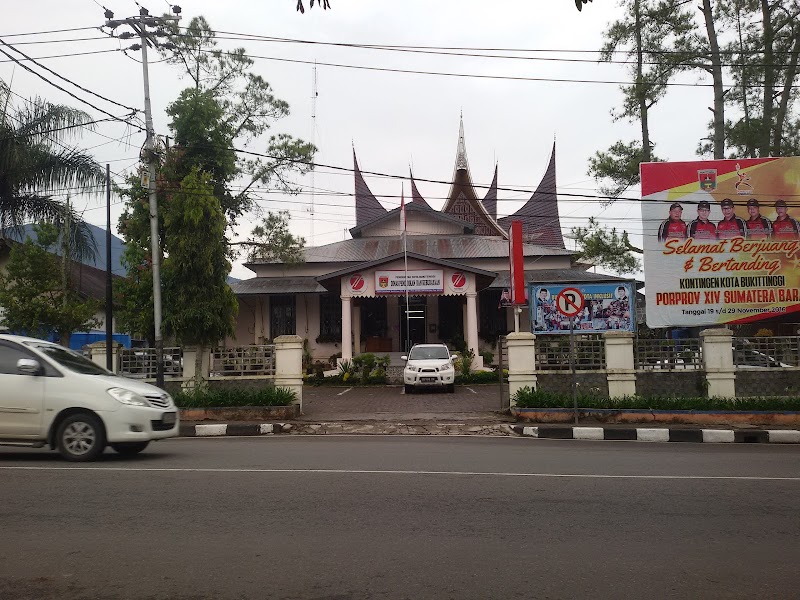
[(527, 398), (477, 377), (206, 398)]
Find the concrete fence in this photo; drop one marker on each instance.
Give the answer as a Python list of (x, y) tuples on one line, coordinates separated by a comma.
[(715, 365)]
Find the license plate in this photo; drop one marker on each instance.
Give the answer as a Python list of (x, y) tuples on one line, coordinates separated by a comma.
[(168, 418), (427, 379)]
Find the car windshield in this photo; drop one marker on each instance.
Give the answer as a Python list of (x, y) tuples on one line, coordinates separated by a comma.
[(71, 360), (428, 353)]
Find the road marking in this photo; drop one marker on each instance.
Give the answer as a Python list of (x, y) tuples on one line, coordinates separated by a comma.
[(471, 390), (344, 392), (402, 472)]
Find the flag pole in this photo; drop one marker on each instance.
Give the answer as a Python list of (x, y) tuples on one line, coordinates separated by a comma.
[(405, 260)]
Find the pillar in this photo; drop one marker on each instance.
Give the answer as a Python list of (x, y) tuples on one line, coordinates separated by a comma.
[(356, 329), (289, 364), (347, 329), (472, 330), (190, 375), (620, 369), (258, 323), (521, 362), (97, 351), (717, 347)]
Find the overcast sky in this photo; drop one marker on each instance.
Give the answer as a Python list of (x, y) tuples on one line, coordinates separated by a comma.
[(394, 120)]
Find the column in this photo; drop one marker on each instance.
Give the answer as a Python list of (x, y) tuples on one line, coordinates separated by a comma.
[(619, 364), (258, 322), (521, 362), (289, 365), (356, 329), (472, 329), (717, 347), (97, 351), (347, 329)]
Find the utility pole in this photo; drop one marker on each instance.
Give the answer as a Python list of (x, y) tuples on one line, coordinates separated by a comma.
[(140, 25)]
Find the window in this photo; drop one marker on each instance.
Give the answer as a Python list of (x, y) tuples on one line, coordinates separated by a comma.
[(282, 316), (492, 321), (330, 318), (9, 355)]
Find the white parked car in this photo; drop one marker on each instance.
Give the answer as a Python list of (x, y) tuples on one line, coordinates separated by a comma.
[(50, 395), (429, 365)]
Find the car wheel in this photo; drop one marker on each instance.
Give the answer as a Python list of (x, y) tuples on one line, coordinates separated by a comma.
[(129, 448), (81, 437), (451, 388), (409, 389)]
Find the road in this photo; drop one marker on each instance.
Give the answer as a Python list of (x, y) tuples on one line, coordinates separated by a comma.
[(352, 518)]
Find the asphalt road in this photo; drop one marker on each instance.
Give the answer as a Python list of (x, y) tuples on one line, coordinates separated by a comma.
[(351, 518)]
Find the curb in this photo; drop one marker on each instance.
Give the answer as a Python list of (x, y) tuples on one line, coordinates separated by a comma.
[(645, 434), (640, 434)]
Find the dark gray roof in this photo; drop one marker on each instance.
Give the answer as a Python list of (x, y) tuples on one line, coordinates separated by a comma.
[(454, 247), (490, 200), (412, 207), (555, 276), (277, 285)]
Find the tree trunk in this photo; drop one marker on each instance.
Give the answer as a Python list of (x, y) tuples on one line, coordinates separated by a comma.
[(769, 80), (716, 76), (750, 148), (783, 106), (640, 93)]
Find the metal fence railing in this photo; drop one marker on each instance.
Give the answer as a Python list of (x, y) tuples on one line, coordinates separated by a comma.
[(553, 352), (668, 354), (241, 361), (140, 363), (773, 351)]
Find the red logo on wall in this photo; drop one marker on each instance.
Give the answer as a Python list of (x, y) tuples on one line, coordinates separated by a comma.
[(458, 280), (357, 282), (383, 282)]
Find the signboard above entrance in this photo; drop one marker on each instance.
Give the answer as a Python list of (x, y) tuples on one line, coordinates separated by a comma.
[(417, 281)]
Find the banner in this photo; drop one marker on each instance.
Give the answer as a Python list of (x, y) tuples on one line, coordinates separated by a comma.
[(721, 240), (394, 282), (605, 307)]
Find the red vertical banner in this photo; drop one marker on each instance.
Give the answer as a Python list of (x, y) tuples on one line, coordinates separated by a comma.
[(517, 263)]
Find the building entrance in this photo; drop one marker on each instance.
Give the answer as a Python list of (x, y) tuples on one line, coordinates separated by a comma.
[(414, 333)]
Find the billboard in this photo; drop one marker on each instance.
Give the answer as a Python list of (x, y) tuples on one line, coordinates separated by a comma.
[(721, 240), (604, 307)]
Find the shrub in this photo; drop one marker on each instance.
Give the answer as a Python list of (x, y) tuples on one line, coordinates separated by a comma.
[(488, 357), (205, 398)]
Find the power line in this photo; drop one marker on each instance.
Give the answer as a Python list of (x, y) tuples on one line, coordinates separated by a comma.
[(18, 60)]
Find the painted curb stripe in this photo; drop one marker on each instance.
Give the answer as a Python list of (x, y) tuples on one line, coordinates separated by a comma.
[(718, 436), (211, 430), (556, 433), (652, 435), (685, 435), (531, 431), (587, 433), (782, 436), (619, 434)]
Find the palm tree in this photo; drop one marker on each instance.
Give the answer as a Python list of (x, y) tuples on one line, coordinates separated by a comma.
[(36, 161)]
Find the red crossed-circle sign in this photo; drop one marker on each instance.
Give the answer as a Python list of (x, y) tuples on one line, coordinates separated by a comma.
[(458, 280), (357, 282), (569, 302)]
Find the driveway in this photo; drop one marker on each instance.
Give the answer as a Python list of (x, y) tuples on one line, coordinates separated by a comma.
[(391, 403)]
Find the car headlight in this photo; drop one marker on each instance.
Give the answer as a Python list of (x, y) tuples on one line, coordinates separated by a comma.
[(411, 368), (446, 366), (128, 397)]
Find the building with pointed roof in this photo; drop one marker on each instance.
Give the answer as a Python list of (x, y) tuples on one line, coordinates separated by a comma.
[(350, 296)]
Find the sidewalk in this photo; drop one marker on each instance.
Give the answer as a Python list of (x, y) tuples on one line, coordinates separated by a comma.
[(472, 410)]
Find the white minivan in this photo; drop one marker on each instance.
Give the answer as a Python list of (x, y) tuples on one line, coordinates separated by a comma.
[(50, 395)]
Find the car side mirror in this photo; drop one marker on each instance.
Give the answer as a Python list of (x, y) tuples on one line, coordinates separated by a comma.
[(29, 366), (404, 357)]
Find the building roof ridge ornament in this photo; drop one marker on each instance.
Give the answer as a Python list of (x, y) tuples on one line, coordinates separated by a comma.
[(367, 206)]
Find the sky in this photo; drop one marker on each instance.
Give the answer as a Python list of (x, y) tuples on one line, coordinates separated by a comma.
[(512, 108)]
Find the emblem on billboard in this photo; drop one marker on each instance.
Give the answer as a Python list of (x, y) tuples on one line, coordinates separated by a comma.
[(742, 185), (383, 282), (357, 282), (708, 179)]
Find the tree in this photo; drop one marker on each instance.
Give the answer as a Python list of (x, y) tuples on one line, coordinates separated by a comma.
[(606, 248), (203, 307), (35, 161), (273, 242), (326, 4), (34, 295), (665, 33)]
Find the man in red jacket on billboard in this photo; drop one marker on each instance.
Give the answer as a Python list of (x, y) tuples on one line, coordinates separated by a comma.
[(731, 226), (674, 227), (701, 228), (784, 227), (758, 228)]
